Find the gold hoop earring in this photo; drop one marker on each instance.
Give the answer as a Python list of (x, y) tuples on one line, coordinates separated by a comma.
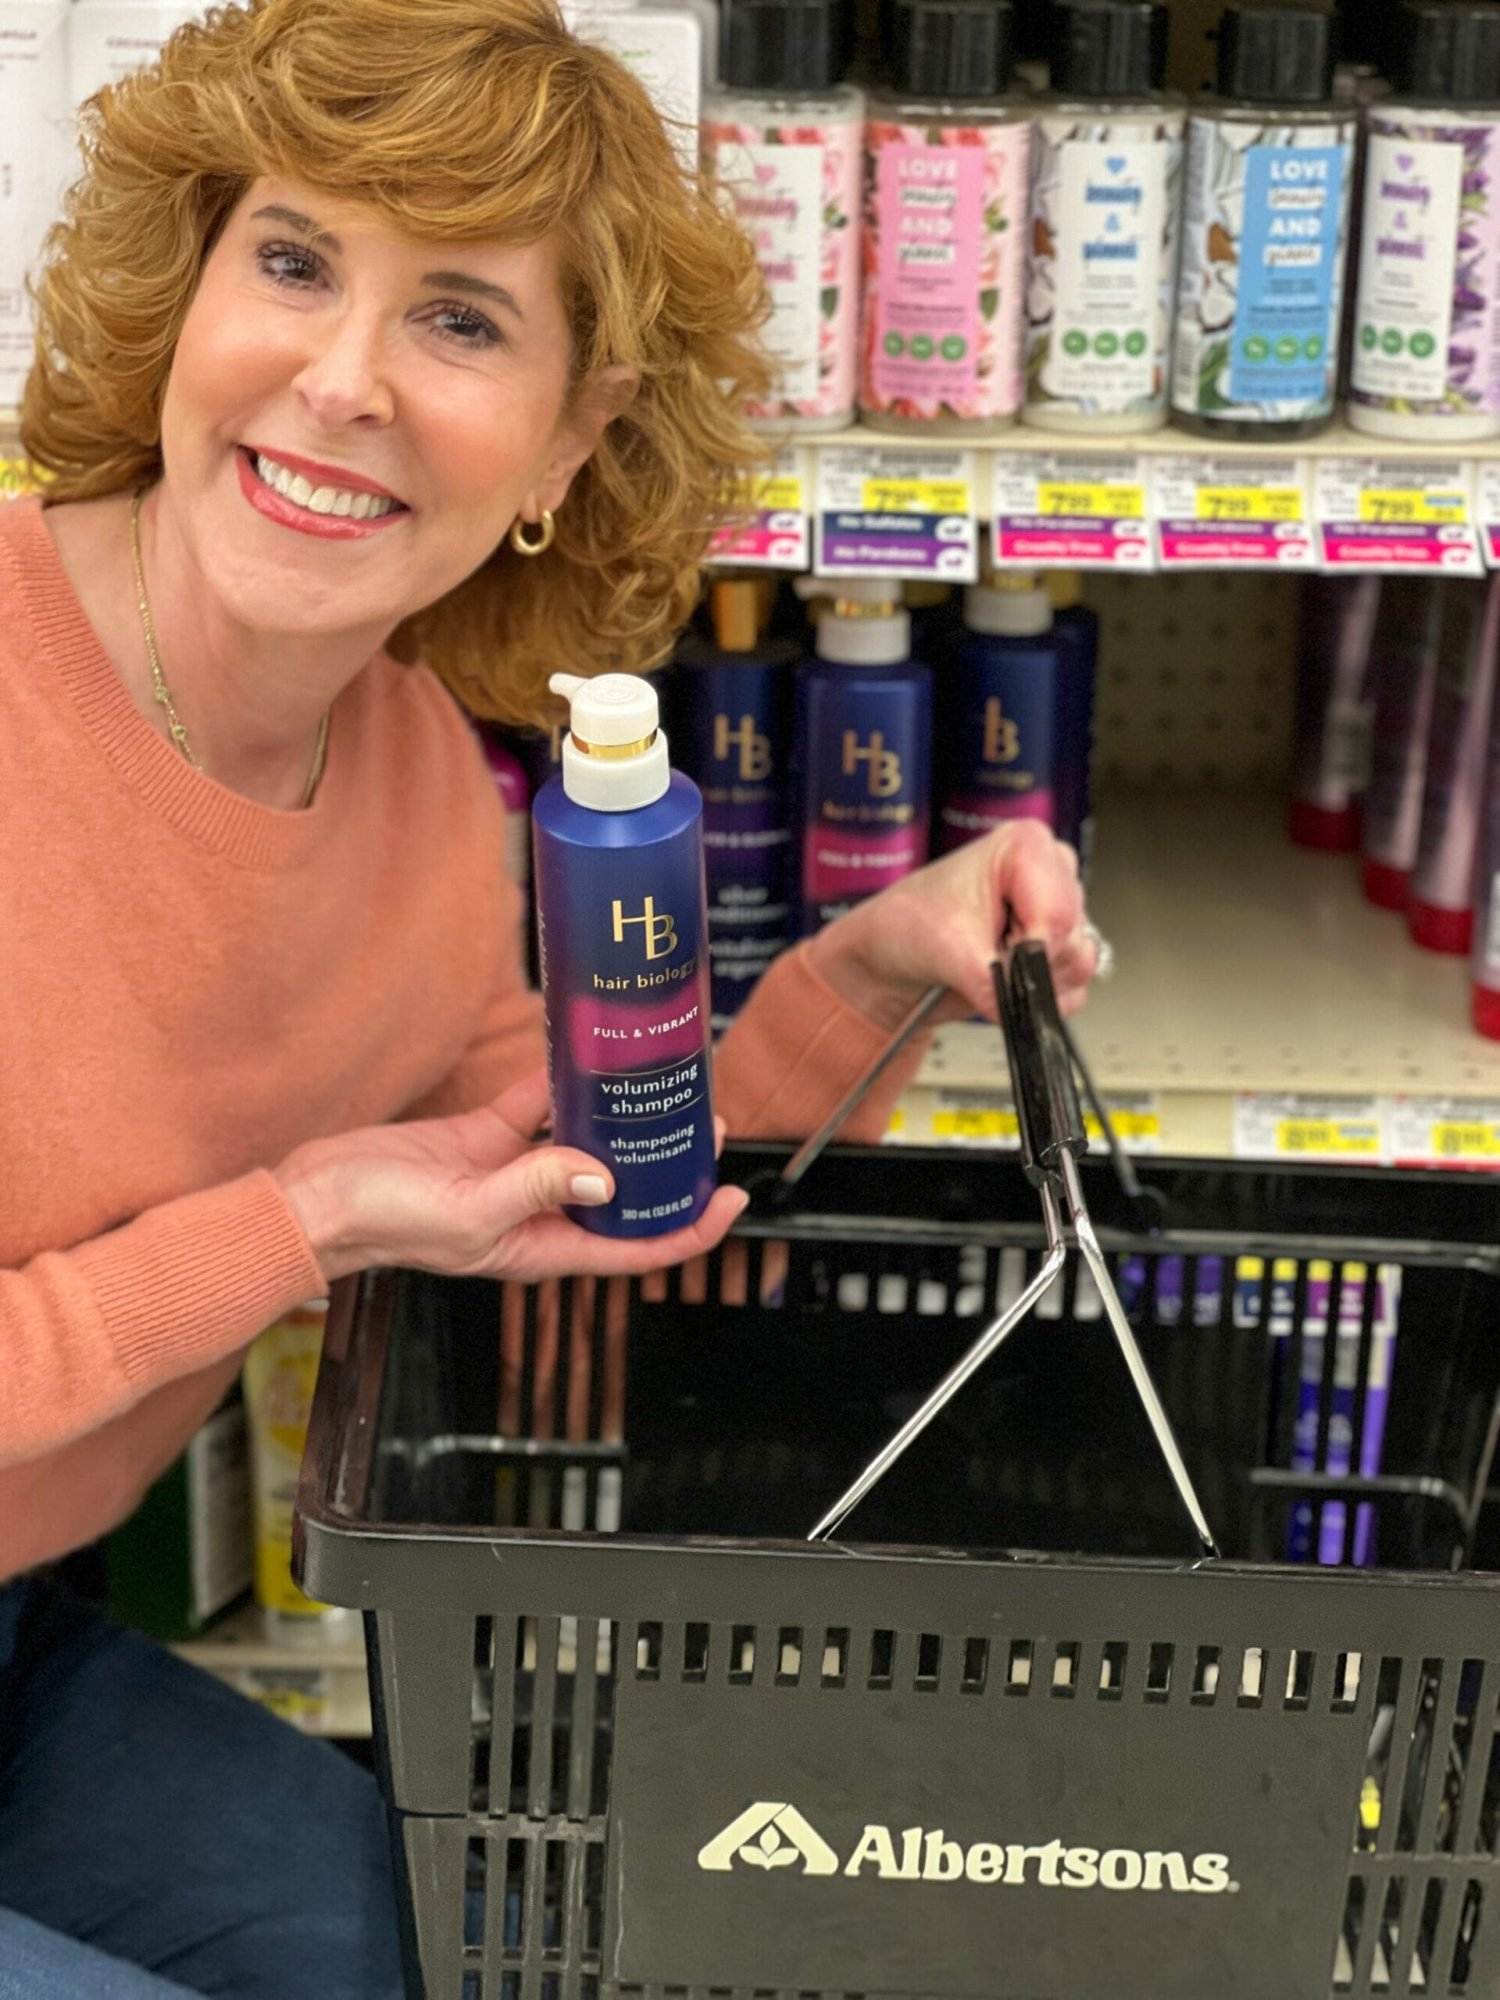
[(544, 540)]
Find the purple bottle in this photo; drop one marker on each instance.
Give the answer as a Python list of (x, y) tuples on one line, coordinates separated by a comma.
[(1000, 709), (1403, 670), (625, 977)]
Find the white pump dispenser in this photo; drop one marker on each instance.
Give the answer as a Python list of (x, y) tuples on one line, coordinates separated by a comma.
[(614, 756), (862, 621)]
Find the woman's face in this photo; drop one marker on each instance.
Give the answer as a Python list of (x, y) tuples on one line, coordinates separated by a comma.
[(355, 417)]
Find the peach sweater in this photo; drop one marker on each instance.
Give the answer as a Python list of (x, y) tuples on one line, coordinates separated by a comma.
[(193, 985)]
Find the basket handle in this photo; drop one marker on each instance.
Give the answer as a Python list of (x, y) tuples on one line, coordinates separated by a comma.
[(1041, 1060)]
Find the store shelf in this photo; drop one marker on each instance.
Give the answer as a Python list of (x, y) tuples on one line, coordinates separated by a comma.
[(1339, 441), (1249, 970), (314, 1679)]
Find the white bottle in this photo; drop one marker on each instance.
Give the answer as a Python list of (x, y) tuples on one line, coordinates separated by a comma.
[(706, 14), (782, 141), (108, 39), (663, 46), (1425, 347), (36, 162)]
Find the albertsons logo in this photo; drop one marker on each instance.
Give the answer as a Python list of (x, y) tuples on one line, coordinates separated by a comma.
[(770, 1836)]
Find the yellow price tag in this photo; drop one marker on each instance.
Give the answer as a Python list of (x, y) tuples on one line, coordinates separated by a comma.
[(990, 1127), (17, 477), (1411, 508), (1132, 1128), (1250, 503), (917, 496), (896, 1124), (1353, 1138), (1462, 1139), (778, 492), (1090, 497)]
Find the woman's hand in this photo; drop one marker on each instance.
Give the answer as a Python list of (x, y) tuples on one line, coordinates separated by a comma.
[(942, 926), (473, 1197)]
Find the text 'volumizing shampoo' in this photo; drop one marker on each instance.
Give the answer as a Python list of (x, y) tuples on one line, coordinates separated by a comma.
[(620, 906)]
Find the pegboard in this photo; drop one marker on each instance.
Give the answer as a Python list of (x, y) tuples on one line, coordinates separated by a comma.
[(1196, 679)]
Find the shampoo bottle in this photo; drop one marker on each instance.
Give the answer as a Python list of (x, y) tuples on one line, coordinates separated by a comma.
[(620, 911), (732, 729), (1485, 962), (37, 158), (1403, 676), (1331, 744), (663, 47), (1105, 167), (946, 168), (782, 140), (863, 740), (1423, 355), (1075, 630), (998, 711), (1270, 164), (1439, 910)]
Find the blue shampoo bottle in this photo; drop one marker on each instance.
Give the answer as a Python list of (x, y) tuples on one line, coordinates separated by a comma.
[(999, 711), (863, 750), (1076, 629), (623, 934), (731, 732)]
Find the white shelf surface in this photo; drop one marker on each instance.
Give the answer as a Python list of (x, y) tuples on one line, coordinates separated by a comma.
[(314, 1679), (1244, 965)]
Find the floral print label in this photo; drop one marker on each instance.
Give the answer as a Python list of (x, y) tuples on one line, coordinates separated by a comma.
[(1103, 260), (1425, 332), (942, 258), (795, 190), (1261, 288)]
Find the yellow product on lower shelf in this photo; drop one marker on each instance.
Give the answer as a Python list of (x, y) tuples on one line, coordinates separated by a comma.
[(281, 1371)]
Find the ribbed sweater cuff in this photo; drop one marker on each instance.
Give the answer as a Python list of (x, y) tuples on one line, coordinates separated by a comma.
[(794, 1053), (196, 1278)]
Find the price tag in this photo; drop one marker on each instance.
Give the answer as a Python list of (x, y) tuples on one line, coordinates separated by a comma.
[(1234, 513), (16, 476), (896, 513), (961, 1118), (1397, 514), (1489, 510), (1054, 511), (1446, 1132), (1271, 1127), (771, 528)]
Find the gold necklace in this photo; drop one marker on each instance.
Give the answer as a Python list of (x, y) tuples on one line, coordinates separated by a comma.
[(159, 686)]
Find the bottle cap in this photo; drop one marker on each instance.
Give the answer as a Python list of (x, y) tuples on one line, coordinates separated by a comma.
[(1386, 887), (614, 756), (735, 607), (799, 45), (1449, 50), (1009, 604), (1486, 1012), (861, 619), (1437, 929), (1329, 829), (1270, 54), (950, 48), (1109, 48)]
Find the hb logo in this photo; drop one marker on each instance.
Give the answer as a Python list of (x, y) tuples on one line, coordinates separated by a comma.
[(754, 749), (660, 931), (1002, 737), (767, 1835), (884, 766)]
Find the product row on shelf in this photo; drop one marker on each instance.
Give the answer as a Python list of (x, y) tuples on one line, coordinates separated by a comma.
[(951, 249), (1251, 974), (887, 508)]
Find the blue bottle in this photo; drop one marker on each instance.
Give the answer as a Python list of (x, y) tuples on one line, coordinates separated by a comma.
[(862, 751), (623, 931), (999, 710), (1076, 630), (731, 733)]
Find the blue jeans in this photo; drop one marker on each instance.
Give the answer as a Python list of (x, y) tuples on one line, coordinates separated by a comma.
[(161, 1836)]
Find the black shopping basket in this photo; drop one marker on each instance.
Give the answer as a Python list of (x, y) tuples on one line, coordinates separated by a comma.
[(1011, 1735)]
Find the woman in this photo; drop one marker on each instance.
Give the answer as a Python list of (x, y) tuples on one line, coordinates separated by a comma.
[(355, 300)]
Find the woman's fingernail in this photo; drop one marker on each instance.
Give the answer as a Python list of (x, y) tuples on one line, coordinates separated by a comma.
[(590, 1189)]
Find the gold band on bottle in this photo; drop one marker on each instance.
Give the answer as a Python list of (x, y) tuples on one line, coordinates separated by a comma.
[(614, 753)]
